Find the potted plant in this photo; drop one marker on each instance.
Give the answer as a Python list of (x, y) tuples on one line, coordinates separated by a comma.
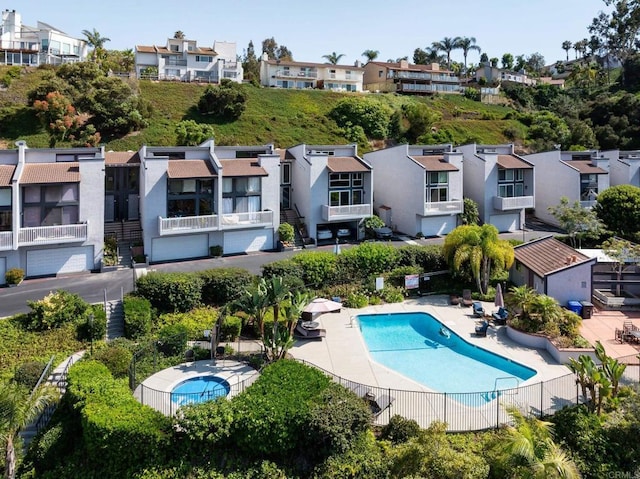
[(215, 251), (14, 276), (286, 236)]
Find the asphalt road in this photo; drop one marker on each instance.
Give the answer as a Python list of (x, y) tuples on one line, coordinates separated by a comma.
[(94, 286)]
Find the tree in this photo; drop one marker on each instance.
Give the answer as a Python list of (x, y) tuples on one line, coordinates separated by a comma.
[(284, 54), (577, 221), (225, 101), (494, 62), (566, 46), (190, 133), (535, 62), (507, 61), (253, 301), (427, 56), (447, 45), (466, 44), (294, 307), (250, 64), (470, 214), (275, 52), (58, 116), (581, 48), (481, 247), (18, 408), (277, 341), (370, 55), (333, 57), (484, 58), (618, 207), (97, 41), (625, 255), (179, 35), (520, 299)]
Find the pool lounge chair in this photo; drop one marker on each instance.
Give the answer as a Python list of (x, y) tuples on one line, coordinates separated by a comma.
[(466, 298), (500, 316), (481, 328), (478, 310), (303, 333)]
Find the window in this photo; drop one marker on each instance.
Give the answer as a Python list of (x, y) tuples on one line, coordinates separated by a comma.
[(241, 195), (510, 182), (204, 58), (50, 205), (250, 153), (346, 189), (285, 174), (338, 180), (588, 187), (174, 48), (66, 48), (380, 73), (437, 186), (190, 197), (5, 209)]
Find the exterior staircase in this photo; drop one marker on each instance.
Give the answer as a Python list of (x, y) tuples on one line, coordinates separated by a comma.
[(126, 233), (291, 217), (115, 319)]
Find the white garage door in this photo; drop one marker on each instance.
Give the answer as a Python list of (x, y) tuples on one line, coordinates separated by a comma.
[(43, 262), (505, 222), (181, 247), (437, 226), (3, 269), (247, 241)]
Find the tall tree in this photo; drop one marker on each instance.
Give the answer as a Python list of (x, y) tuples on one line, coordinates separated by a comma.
[(284, 54), (577, 221), (275, 51), (618, 207), (481, 247), (581, 48), (277, 341), (97, 41), (466, 44), (447, 45), (370, 55), (333, 57), (566, 46), (18, 408), (507, 61), (250, 64)]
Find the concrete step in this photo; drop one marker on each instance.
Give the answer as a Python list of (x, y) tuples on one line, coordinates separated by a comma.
[(115, 319)]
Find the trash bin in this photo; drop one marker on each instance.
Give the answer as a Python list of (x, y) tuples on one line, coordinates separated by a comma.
[(575, 306), (587, 309)]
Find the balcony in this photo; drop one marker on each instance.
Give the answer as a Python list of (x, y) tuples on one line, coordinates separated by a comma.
[(513, 203), (170, 62), (42, 235), (296, 74), (19, 46), (439, 208), (256, 219), (345, 212), (187, 224), (433, 77), (6, 240)]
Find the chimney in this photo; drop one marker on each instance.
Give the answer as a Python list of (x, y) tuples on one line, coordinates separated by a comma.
[(357, 64), (404, 64)]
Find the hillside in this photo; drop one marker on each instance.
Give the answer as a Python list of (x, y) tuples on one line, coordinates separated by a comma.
[(281, 117)]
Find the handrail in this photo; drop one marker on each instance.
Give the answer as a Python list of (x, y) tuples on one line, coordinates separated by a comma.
[(43, 375)]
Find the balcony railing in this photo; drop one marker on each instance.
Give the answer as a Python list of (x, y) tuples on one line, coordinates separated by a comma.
[(588, 204), (345, 212), (513, 203), (296, 74), (246, 220), (19, 46), (443, 208), (424, 76), (187, 224), (6, 240), (175, 63), (40, 235)]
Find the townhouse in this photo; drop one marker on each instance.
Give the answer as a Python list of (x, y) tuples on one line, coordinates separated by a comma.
[(495, 76), (183, 60), (51, 210), (624, 167), (40, 45), (298, 75), (404, 77), (578, 175), (502, 183), (418, 188)]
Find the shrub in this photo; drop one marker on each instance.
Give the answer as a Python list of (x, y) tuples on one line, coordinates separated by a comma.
[(110, 252), (318, 267), (365, 260), (396, 276), (92, 328), (284, 268), (364, 459), (56, 309), (205, 426), (393, 295), (190, 133), (27, 374), (137, 316), (367, 113), (230, 328), (172, 339), (356, 300), (215, 250), (194, 322), (14, 276), (221, 285), (116, 358), (286, 233), (400, 430), (225, 101), (427, 258), (171, 292)]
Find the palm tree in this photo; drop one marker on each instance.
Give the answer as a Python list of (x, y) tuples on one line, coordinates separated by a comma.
[(333, 57), (520, 299), (370, 55), (294, 307), (18, 408), (179, 35), (276, 292), (481, 247), (254, 302), (566, 46), (95, 40), (447, 45), (466, 44), (581, 47)]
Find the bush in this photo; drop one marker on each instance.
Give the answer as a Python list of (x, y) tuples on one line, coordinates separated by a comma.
[(284, 268), (393, 295), (172, 339), (356, 300), (14, 276), (194, 322), (365, 260), (363, 460), (395, 278), (116, 358), (171, 292), (230, 328), (225, 101), (427, 258), (190, 133), (93, 329), (56, 309), (286, 233), (372, 116), (215, 250), (205, 426), (399, 430), (318, 267), (222, 285), (27, 374), (137, 316)]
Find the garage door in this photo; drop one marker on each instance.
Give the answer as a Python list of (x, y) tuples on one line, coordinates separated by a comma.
[(3, 269), (505, 222), (247, 241), (181, 247), (44, 262), (437, 226)]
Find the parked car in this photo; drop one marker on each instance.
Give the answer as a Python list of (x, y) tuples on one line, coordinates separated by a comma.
[(343, 233), (383, 233), (324, 234)]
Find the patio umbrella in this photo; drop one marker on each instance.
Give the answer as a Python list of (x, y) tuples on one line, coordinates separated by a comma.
[(499, 302), (322, 305)]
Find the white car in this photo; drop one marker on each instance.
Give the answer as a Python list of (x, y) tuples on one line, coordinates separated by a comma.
[(343, 233), (324, 234)]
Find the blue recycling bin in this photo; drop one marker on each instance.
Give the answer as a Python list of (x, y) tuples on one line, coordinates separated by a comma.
[(575, 306)]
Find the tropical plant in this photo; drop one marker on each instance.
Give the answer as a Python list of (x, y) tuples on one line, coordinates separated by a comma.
[(333, 57), (593, 382), (612, 368), (294, 307), (447, 45), (466, 44), (18, 407), (179, 35), (370, 55), (566, 46), (253, 301), (481, 248), (97, 41), (277, 341)]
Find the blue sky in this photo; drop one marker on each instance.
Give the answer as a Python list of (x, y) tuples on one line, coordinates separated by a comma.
[(311, 29)]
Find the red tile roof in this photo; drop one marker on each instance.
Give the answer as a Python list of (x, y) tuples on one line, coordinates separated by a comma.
[(6, 173), (43, 173), (190, 169), (121, 157), (435, 163), (346, 164), (242, 167), (586, 167), (547, 255), (512, 162)]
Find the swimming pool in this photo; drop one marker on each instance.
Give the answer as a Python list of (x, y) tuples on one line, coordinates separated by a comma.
[(199, 389), (418, 346)]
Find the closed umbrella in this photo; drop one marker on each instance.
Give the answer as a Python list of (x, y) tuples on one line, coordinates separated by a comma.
[(499, 302)]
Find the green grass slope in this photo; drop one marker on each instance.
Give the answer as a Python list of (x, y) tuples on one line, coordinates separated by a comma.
[(281, 117)]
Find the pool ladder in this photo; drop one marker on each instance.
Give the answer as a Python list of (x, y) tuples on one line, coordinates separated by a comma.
[(498, 392)]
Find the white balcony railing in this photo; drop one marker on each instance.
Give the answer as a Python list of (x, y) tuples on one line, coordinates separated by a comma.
[(187, 224), (513, 203), (345, 212), (246, 220), (588, 204), (443, 208), (6, 240), (296, 73), (41, 235)]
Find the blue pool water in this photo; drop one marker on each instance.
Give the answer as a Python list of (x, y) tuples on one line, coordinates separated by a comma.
[(420, 347), (199, 389)]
